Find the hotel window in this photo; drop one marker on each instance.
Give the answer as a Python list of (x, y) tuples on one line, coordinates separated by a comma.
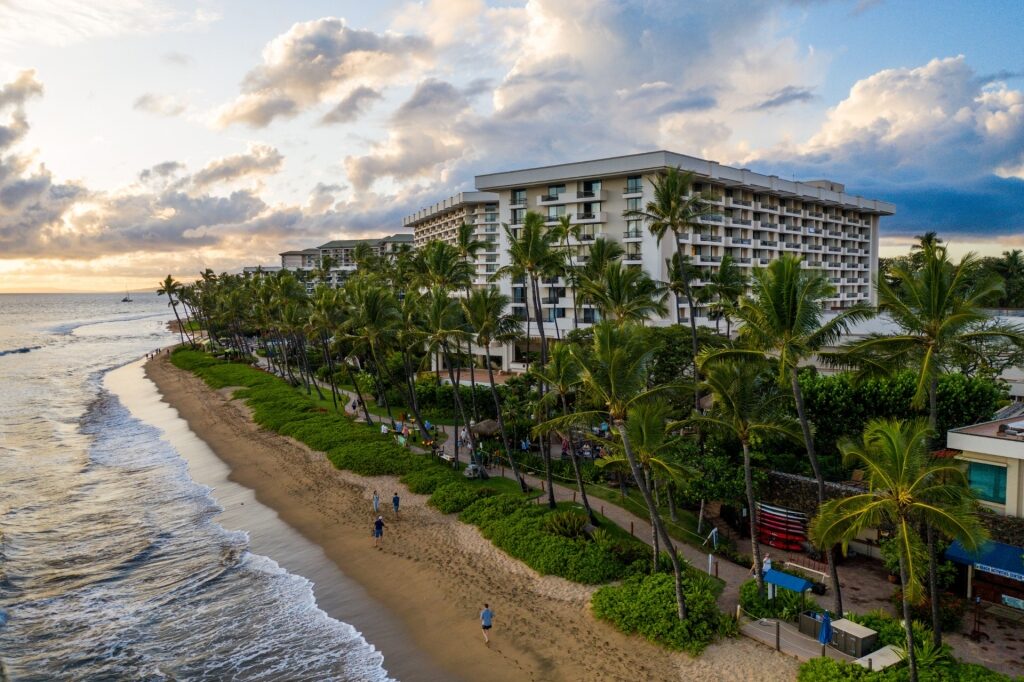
[(518, 196), (634, 183), (555, 191), (556, 212), (988, 481), (633, 204), (590, 188), (517, 215)]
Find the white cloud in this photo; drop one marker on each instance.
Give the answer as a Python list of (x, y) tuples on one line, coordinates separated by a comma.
[(161, 105), (318, 60), (260, 160)]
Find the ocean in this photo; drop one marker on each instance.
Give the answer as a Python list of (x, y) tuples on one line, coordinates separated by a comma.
[(113, 563)]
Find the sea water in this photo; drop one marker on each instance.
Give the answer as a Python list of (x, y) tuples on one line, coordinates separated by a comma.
[(112, 564)]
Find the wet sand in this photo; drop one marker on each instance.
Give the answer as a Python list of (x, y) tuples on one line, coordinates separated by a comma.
[(417, 598)]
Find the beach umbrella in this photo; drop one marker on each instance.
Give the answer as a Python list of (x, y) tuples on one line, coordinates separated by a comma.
[(825, 634)]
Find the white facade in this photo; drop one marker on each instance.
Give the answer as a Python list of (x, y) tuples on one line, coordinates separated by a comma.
[(441, 221)]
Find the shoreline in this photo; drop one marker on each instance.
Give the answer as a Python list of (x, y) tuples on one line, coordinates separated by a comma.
[(434, 573)]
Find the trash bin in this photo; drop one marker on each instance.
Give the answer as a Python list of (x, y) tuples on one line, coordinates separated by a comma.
[(810, 623), (852, 638)]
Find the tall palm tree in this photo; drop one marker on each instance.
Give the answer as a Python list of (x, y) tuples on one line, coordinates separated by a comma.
[(677, 210), (614, 374), (170, 287), (563, 376), (625, 294), (484, 310), (938, 308), (747, 405), (561, 233), (905, 489), (652, 441), (681, 275), (530, 254), (372, 325), (784, 320), (724, 287), (602, 253)]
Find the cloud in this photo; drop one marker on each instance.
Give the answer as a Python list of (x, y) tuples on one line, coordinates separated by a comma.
[(352, 106), (177, 58), (161, 170), (780, 98), (259, 160), (161, 105), (64, 22), (322, 197), (315, 60)]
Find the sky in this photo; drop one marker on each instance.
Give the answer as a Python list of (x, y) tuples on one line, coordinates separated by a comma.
[(145, 137)]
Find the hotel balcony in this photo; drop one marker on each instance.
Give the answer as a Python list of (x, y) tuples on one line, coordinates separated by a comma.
[(729, 201), (792, 246), (571, 197), (633, 255), (769, 226), (737, 241), (630, 191), (793, 212), (590, 218), (774, 208), (710, 238), (769, 242), (787, 227), (632, 235)]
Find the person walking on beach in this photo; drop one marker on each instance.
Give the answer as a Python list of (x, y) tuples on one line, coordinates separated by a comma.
[(378, 531), (394, 503), (376, 502), (486, 618)]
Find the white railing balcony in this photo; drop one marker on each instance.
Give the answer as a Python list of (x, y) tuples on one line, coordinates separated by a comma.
[(638, 234), (572, 197)]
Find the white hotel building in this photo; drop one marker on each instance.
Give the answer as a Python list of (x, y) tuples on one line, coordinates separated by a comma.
[(758, 218)]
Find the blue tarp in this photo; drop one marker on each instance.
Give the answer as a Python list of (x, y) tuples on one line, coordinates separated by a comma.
[(825, 633), (993, 557), (786, 581)]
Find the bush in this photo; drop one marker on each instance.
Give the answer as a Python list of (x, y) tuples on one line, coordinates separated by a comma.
[(830, 670), (566, 524), (951, 610), (456, 496), (646, 605), (425, 481), (518, 528)]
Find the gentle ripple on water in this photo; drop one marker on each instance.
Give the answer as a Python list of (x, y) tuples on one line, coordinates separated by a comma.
[(112, 565)]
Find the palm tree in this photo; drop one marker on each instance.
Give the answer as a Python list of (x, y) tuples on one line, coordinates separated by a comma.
[(530, 254), (614, 374), (649, 436), (602, 253), (938, 309), (171, 288), (675, 209), (372, 325), (905, 489), (747, 405), (625, 294), (561, 233), (484, 310), (680, 277), (784, 319), (1011, 268), (724, 287)]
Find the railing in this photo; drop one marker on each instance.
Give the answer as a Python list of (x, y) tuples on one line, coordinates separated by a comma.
[(743, 261), (549, 197), (835, 233), (711, 218), (813, 263), (585, 216), (633, 255), (630, 189), (815, 214), (764, 261), (741, 221), (792, 245), (711, 259), (710, 238), (770, 226), (813, 230), (586, 237), (740, 241), (632, 234), (814, 247), (769, 242), (835, 249), (586, 194), (742, 202)]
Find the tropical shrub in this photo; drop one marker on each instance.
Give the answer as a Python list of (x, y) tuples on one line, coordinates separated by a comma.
[(646, 605), (951, 609), (425, 481), (787, 604), (456, 496), (567, 524)]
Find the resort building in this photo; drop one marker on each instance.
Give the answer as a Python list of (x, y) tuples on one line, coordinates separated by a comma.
[(993, 452), (441, 222), (342, 251), (758, 218)]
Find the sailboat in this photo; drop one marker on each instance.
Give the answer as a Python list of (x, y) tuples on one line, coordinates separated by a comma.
[(127, 297)]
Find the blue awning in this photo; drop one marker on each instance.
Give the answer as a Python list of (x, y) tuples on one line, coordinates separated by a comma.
[(786, 581), (993, 557)]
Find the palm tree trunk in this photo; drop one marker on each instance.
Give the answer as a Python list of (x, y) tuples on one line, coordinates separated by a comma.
[(755, 546), (638, 474), (380, 385), (933, 585), (330, 370), (414, 402), (535, 288), (501, 426), (462, 410), (907, 622), (359, 394), (181, 329), (695, 346), (576, 466), (472, 380), (805, 426)]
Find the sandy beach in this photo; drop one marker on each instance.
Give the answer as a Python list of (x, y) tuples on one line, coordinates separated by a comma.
[(433, 573)]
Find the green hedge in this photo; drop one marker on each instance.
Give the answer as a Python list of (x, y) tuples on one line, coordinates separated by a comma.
[(787, 604), (646, 605), (517, 527), (456, 496), (829, 670)]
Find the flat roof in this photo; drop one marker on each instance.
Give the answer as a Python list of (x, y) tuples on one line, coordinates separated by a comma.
[(450, 204), (647, 162), (304, 252), (991, 429)]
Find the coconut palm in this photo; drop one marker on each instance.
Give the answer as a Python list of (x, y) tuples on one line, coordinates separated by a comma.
[(784, 320), (625, 294), (747, 405), (938, 309), (675, 209), (561, 233), (722, 291), (680, 277), (614, 375), (651, 436), (906, 488), (170, 287), (371, 326), (484, 310)]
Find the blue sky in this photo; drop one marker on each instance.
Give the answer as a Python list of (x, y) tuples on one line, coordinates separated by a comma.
[(141, 136)]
